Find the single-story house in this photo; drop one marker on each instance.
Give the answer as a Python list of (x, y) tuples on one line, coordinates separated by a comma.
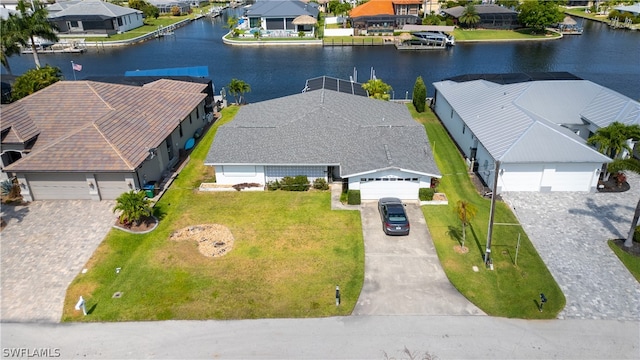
[(94, 17), (167, 6), (370, 145), (384, 16), (631, 9), (93, 140), (536, 129), (277, 18), (491, 16)]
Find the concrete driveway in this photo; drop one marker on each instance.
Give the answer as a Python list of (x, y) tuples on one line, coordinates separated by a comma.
[(402, 274), (44, 246), (570, 231)]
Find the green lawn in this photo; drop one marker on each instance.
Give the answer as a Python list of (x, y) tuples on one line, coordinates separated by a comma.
[(290, 252), (486, 35), (510, 290), (631, 262)]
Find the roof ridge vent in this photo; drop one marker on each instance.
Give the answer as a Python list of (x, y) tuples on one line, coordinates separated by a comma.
[(388, 153)]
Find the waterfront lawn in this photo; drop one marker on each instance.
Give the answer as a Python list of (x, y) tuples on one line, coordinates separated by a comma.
[(486, 35), (290, 252), (510, 290)]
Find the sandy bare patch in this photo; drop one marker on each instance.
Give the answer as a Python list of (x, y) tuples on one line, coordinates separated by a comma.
[(213, 240)]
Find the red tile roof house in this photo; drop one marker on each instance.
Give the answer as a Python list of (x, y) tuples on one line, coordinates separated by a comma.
[(382, 17), (93, 140)]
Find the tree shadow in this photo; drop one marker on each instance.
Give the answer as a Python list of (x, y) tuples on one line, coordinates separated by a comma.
[(455, 234), (160, 211), (14, 212), (475, 238), (504, 250), (606, 214)]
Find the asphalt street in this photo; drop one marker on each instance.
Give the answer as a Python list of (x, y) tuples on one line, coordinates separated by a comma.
[(353, 337)]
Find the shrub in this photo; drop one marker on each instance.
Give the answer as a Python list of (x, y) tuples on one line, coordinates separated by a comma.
[(320, 184), (175, 11), (245, 186), (298, 183), (353, 197), (273, 185), (636, 234), (426, 194)]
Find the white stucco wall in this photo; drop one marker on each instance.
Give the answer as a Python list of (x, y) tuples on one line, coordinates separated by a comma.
[(238, 174)]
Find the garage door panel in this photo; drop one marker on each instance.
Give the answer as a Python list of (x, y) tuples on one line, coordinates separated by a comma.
[(58, 186), (376, 189)]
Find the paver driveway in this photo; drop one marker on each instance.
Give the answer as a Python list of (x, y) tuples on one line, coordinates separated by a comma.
[(570, 231), (402, 275), (44, 246)]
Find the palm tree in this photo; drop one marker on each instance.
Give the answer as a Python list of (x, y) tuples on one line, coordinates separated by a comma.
[(134, 206), (11, 41), (32, 22), (469, 16), (630, 164), (237, 88), (613, 139), (377, 89), (466, 211)]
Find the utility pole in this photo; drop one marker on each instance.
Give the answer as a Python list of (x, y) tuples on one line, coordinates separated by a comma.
[(487, 254)]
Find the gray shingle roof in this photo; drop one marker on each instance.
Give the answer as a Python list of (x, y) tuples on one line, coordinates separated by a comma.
[(325, 127), (522, 122)]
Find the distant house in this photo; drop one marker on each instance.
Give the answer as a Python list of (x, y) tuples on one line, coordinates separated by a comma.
[(536, 126), (93, 140), (167, 6), (491, 16), (93, 17), (278, 18), (631, 9), (380, 17), (330, 131)]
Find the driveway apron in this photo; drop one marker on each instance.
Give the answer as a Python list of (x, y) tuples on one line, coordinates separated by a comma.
[(44, 246), (570, 231), (403, 275)]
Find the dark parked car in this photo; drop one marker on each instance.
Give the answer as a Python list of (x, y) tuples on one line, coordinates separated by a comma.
[(394, 218)]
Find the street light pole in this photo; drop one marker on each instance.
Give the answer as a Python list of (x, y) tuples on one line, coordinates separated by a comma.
[(487, 254)]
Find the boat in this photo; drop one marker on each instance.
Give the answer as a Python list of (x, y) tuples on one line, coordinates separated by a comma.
[(426, 40)]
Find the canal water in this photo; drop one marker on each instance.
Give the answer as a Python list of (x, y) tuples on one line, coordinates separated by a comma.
[(607, 57)]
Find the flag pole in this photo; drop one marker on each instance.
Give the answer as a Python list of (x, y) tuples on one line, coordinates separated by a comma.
[(74, 71)]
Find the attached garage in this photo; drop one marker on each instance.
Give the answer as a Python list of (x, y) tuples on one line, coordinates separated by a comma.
[(58, 186), (376, 188), (111, 186)]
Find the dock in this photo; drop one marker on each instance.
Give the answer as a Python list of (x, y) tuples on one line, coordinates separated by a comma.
[(55, 50)]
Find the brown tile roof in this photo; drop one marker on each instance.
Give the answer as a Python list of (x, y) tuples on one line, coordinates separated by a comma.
[(17, 127), (93, 126)]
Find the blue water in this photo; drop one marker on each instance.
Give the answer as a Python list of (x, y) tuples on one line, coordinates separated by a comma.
[(608, 57)]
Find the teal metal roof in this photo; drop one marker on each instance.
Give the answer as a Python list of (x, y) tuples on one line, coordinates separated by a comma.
[(194, 71)]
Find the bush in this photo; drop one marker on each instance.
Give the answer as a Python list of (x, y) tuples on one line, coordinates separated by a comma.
[(320, 184), (245, 186), (298, 183), (426, 194), (636, 234), (273, 185), (353, 197)]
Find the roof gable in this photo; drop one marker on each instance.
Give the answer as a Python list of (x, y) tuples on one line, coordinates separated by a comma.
[(291, 8), (95, 7), (372, 8)]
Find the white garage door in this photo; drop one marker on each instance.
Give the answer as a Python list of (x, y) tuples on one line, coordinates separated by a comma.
[(373, 189), (111, 185), (58, 186)]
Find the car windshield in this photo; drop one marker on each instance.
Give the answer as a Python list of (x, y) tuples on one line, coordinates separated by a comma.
[(397, 218)]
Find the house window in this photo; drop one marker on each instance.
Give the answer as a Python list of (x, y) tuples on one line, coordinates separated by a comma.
[(464, 127), (169, 147), (180, 128), (119, 21), (197, 113), (452, 113), (190, 121)]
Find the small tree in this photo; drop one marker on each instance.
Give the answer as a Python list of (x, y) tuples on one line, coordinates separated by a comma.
[(466, 211), (419, 95), (134, 206), (377, 89), (34, 80), (175, 11), (32, 22), (237, 88), (469, 16)]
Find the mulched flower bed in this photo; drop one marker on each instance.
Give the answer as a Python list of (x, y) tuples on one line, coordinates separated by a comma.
[(611, 185), (146, 223)]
